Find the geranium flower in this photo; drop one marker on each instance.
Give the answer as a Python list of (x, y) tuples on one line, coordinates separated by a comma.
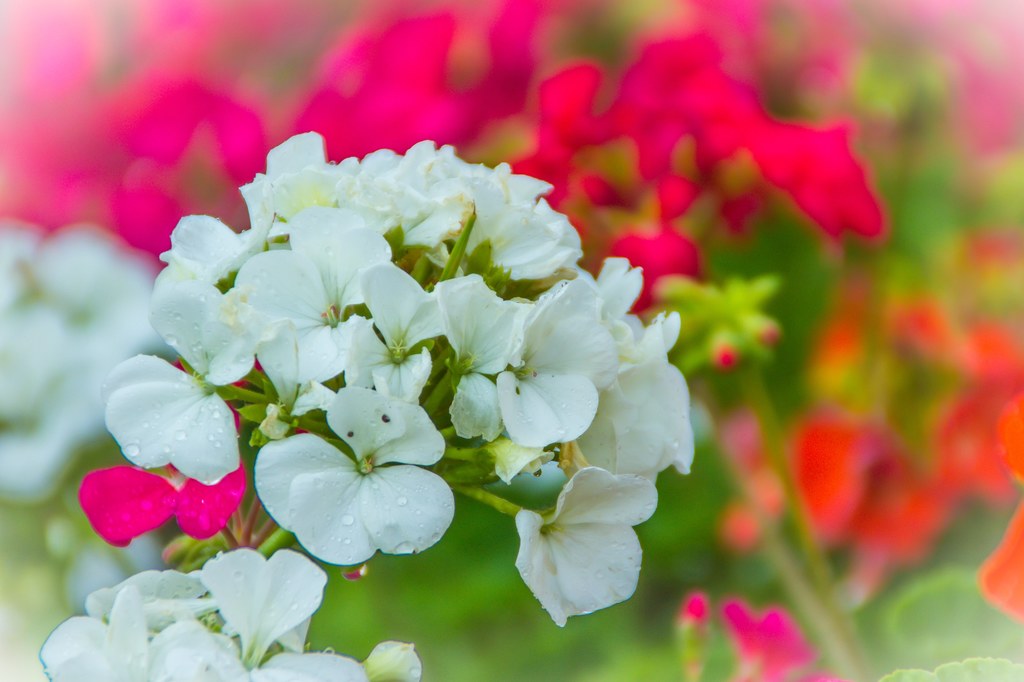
[(342, 509), (585, 556)]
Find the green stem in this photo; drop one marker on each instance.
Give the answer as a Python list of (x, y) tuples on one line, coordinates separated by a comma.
[(243, 394), (847, 651), (441, 391), (421, 269), (490, 499), (463, 454), (458, 251), (279, 539)]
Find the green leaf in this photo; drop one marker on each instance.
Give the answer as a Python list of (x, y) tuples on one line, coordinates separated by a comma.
[(970, 670), (943, 616)]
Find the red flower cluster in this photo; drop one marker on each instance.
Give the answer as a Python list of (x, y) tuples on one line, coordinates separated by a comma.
[(680, 137)]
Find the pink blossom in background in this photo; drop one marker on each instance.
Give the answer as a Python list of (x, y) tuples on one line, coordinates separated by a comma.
[(769, 644)]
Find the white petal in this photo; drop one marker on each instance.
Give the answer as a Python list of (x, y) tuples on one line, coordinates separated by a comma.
[(402, 311), (295, 154), (78, 641), (578, 569), (620, 286), (393, 662), (564, 336), (643, 423), (188, 652), (202, 248), (279, 358), (161, 415), (312, 396), (167, 596), (127, 640), (475, 411), (405, 509), (339, 253), (287, 286), (389, 430), (595, 496), (188, 316), (405, 380), (325, 511), (479, 324), (262, 599), (312, 667), (544, 409), (280, 463)]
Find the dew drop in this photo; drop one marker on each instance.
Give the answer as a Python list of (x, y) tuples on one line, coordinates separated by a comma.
[(347, 520)]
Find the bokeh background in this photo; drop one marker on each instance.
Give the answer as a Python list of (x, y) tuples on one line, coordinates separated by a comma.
[(830, 192)]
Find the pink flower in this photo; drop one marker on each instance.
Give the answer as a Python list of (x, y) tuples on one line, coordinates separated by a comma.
[(770, 646), (123, 503), (393, 85)]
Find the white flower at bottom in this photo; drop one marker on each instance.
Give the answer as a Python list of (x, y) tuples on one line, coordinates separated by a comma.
[(342, 511), (265, 600), (84, 649), (585, 556)]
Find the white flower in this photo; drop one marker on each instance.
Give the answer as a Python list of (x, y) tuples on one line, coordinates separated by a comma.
[(215, 333), (264, 601), (342, 511), (313, 284), (166, 596), (71, 307), (161, 415), (643, 424), (528, 239), (279, 358), (298, 177), (404, 315), (207, 250), (484, 332), (585, 556), (393, 662), (84, 649), (422, 192), (567, 355)]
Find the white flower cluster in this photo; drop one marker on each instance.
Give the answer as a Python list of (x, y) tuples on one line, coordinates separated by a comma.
[(242, 618), (399, 325), (72, 305)]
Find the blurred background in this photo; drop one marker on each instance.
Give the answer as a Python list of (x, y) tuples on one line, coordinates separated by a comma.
[(830, 193)]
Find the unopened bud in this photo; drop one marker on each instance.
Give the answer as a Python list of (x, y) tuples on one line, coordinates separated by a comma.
[(694, 610), (356, 574), (725, 356)]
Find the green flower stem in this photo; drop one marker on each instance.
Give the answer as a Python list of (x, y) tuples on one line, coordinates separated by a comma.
[(236, 393), (827, 625), (441, 391), (279, 539), (458, 251), (490, 499), (464, 454), (421, 270), (848, 652)]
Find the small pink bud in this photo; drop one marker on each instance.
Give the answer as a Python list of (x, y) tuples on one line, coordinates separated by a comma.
[(769, 334), (356, 574), (694, 609), (725, 356)]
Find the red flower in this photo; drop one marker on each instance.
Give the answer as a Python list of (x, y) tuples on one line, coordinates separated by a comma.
[(123, 503)]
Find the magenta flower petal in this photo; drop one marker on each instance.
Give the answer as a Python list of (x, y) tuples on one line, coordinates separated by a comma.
[(203, 510), (770, 642), (123, 502)]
